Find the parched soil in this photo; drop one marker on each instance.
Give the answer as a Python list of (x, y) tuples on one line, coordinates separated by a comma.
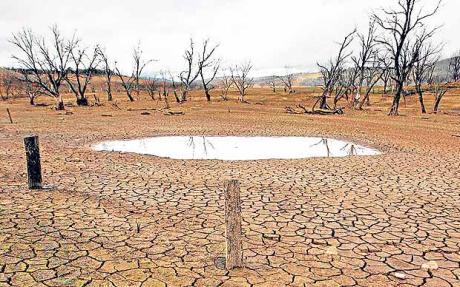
[(112, 219)]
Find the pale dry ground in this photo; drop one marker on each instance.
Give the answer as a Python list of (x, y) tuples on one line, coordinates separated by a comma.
[(130, 220)]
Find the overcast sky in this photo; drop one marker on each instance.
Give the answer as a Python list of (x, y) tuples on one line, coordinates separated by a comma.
[(270, 33)]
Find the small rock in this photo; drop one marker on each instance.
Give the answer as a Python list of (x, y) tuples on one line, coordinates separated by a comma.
[(219, 262), (399, 275)]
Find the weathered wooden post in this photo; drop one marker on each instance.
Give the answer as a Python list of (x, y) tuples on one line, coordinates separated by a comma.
[(9, 115), (234, 250), (34, 171)]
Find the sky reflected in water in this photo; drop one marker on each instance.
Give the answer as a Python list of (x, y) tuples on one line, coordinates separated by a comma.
[(237, 148)]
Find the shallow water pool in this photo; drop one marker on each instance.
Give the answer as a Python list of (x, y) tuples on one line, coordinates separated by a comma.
[(237, 148)]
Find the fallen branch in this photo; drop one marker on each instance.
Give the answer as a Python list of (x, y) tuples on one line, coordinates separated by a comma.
[(171, 113), (140, 110), (304, 110)]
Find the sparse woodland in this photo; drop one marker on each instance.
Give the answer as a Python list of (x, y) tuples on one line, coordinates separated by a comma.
[(395, 56)]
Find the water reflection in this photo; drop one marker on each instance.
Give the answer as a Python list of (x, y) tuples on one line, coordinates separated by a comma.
[(350, 149), (324, 142), (237, 148), (206, 143)]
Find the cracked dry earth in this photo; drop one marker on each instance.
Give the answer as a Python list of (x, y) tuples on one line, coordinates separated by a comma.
[(112, 219)]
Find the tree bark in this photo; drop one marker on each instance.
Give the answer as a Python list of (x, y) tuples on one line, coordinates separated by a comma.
[(394, 110)]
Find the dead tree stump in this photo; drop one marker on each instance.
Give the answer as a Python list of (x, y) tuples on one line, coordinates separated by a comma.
[(234, 250), (34, 172)]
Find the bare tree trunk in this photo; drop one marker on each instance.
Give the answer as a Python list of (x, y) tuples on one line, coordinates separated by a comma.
[(208, 96), (109, 92), (436, 104), (323, 102), (394, 110), (130, 97), (59, 103), (178, 100), (439, 93), (82, 102), (422, 104)]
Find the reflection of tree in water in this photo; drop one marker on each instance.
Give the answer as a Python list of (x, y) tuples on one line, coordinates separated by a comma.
[(351, 149), (325, 143), (205, 142)]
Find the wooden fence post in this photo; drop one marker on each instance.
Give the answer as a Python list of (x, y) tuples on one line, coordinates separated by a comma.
[(234, 250), (34, 172), (9, 115)]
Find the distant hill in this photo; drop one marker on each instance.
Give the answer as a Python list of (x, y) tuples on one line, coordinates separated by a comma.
[(300, 79)]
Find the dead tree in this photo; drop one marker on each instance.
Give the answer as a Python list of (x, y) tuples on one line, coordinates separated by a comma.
[(205, 62), (83, 65), (346, 84), (7, 85), (164, 89), (192, 72), (151, 87), (387, 72), (174, 87), (366, 57), (330, 72), (287, 80), (132, 83), (454, 67), (226, 84), (31, 89), (404, 29), (139, 66), (439, 91), (242, 80), (163, 86), (126, 82), (372, 75), (273, 82), (108, 73), (423, 70), (48, 62)]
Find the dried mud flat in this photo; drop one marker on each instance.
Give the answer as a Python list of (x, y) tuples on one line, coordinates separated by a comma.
[(114, 219)]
